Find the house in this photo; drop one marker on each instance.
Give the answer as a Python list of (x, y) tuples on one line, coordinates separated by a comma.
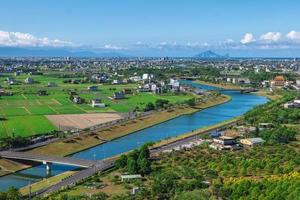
[(77, 99), (263, 126), (224, 143), (147, 76), (251, 142), (174, 83), (215, 134), (72, 93), (127, 91), (243, 81), (99, 78), (29, 80), (225, 140), (97, 103), (245, 130), (92, 88), (135, 78), (11, 81), (144, 88), (119, 95), (130, 177), (199, 91), (278, 81), (42, 93), (51, 84), (265, 84), (294, 104), (17, 73), (115, 82), (2, 92), (75, 81)]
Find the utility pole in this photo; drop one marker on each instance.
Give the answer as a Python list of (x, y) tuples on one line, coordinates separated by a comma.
[(29, 190)]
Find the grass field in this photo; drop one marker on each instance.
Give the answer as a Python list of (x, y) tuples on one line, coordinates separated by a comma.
[(24, 111)]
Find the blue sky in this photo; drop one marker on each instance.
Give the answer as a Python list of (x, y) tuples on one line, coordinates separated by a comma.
[(140, 24)]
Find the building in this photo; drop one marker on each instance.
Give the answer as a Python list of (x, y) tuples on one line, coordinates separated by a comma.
[(29, 80), (42, 93), (263, 126), (119, 95), (147, 77), (251, 142), (92, 88), (224, 143), (144, 88), (265, 84), (174, 83), (11, 81), (97, 103), (127, 91), (115, 82), (51, 84), (225, 140), (130, 177), (77, 99), (294, 104), (278, 81)]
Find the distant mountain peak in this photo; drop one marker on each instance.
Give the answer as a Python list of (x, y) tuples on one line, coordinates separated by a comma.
[(210, 54)]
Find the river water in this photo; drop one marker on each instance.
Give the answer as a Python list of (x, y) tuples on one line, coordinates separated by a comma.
[(239, 104)]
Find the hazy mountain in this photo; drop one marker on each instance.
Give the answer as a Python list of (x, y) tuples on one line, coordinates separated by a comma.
[(53, 52), (210, 54)]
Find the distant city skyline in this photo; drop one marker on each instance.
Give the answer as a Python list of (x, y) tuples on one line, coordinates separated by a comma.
[(154, 28)]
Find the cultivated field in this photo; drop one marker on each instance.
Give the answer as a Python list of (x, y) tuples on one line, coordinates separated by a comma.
[(81, 121), (24, 112)]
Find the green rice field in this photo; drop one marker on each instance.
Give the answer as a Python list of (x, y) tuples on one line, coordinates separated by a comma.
[(24, 113)]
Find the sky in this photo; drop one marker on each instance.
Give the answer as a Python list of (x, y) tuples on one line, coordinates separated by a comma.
[(169, 27)]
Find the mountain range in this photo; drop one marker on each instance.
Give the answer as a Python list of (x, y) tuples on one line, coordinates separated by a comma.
[(210, 54), (54, 52)]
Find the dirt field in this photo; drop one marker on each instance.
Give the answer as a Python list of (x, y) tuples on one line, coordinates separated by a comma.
[(81, 121)]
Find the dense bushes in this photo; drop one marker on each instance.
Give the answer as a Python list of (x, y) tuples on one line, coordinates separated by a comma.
[(136, 161), (274, 112)]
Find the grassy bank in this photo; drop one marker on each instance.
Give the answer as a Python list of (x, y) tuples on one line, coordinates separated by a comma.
[(85, 141), (269, 95), (229, 86), (45, 183)]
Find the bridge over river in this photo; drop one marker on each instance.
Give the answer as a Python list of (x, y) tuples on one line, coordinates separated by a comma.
[(47, 160)]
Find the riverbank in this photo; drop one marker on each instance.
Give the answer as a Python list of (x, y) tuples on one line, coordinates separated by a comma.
[(86, 141), (267, 94), (228, 86)]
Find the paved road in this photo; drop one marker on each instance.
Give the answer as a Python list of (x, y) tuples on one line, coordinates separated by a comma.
[(50, 159), (109, 163), (188, 139), (80, 175)]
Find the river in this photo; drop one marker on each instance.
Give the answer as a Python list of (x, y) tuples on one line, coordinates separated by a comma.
[(239, 104)]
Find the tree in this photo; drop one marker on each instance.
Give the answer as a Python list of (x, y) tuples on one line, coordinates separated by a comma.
[(122, 161), (13, 194), (191, 102), (149, 106), (132, 166), (144, 166), (160, 103)]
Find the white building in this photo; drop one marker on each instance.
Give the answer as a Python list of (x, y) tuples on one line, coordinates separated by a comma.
[(97, 103)]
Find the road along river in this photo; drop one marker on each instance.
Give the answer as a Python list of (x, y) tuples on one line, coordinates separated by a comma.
[(239, 104)]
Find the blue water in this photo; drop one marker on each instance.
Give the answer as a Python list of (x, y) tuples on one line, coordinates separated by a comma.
[(239, 104)]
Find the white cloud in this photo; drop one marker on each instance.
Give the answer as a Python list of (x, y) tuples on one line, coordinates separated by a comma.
[(293, 35), (248, 38), (271, 36), (112, 47), (18, 39)]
